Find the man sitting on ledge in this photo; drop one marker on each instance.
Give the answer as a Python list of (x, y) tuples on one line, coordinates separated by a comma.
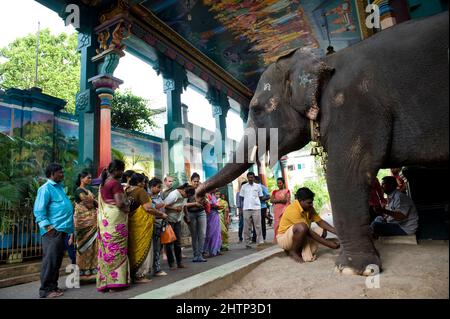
[(295, 235), (400, 216)]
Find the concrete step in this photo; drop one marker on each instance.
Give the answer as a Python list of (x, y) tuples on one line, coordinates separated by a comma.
[(22, 273), (14, 270)]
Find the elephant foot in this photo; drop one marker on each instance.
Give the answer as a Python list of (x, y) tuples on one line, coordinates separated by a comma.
[(358, 264)]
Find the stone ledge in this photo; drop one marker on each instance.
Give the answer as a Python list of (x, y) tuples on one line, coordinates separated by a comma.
[(408, 240), (210, 282)]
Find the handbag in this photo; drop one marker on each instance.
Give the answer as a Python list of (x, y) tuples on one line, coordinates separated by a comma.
[(168, 235)]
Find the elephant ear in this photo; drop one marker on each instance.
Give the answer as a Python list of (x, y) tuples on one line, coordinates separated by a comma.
[(307, 77)]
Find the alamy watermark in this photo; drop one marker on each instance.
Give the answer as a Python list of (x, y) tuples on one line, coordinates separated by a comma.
[(373, 280), (257, 143), (73, 17), (373, 19), (73, 279)]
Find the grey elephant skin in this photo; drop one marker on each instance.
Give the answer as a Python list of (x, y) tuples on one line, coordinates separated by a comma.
[(381, 103)]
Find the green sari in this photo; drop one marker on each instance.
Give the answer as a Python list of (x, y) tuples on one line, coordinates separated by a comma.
[(113, 264)]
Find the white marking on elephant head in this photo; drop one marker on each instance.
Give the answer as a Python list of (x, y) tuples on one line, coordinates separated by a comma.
[(272, 105), (305, 79), (267, 86)]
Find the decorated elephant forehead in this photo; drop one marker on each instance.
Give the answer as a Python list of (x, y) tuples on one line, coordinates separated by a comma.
[(272, 104), (305, 79)]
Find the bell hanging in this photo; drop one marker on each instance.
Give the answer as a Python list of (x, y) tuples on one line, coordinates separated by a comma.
[(315, 151)]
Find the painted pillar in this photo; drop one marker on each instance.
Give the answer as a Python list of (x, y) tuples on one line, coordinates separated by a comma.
[(104, 85), (110, 35), (387, 16), (220, 107), (86, 100), (175, 80)]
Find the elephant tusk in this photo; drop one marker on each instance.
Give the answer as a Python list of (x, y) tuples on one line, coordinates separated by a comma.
[(253, 154)]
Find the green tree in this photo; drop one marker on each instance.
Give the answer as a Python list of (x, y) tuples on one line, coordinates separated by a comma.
[(132, 112), (59, 65)]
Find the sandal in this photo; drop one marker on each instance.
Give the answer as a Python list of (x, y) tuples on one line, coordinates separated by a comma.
[(54, 294), (142, 281)]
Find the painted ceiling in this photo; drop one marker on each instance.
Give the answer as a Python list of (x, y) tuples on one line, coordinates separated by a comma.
[(245, 36)]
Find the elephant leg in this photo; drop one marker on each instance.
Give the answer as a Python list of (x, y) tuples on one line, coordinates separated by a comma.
[(349, 194)]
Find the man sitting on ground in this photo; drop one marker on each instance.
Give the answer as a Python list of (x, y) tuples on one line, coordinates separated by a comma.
[(295, 235), (400, 216)]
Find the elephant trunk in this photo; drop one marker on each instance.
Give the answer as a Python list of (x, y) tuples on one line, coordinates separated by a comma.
[(232, 170)]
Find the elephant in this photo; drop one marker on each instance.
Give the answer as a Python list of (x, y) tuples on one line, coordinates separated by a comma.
[(380, 103)]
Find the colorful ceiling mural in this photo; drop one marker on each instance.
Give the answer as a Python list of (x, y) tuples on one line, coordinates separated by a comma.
[(245, 36)]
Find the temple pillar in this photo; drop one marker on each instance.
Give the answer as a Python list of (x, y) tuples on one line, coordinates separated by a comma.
[(175, 80), (220, 106), (86, 99), (114, 28), (104, 85)]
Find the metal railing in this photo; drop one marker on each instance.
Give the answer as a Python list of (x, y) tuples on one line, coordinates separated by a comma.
[(20, 238)]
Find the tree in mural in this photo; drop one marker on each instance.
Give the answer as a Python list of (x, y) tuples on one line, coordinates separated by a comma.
[(59, 65), (132, 112)]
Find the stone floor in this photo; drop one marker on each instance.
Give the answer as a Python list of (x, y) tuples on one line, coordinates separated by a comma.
[(237, 250)]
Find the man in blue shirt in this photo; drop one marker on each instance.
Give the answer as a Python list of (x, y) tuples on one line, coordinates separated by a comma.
[(264, 199), (54, 215)]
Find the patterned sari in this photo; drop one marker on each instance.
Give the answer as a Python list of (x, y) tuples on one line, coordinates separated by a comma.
[(140, 225), (279, 208), (85, 221), (113, 264), (223, 227)]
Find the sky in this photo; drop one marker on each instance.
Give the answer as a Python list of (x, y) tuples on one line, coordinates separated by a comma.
[(18, 18)]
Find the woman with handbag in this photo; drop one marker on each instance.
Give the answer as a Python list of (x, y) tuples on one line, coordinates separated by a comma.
[(140, 226), (85, 221)]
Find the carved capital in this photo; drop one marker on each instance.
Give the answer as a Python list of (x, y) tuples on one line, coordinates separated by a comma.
[(105, 83)]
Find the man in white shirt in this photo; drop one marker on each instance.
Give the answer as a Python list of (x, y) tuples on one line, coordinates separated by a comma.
[(252, 194)]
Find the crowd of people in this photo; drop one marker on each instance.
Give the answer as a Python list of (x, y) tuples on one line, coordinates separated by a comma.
[(121, 229)]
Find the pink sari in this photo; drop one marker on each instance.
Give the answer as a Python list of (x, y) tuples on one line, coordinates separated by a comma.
[(279, 208)]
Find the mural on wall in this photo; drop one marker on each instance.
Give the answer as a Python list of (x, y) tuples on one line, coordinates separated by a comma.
[(245, 36), (66, 141), (140, 154), (341, 17)]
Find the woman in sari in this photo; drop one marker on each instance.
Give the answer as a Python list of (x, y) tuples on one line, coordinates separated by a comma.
[(213, 239), (280, 199), (113, 266), (224, 212), (85, 221), (140, 227)]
